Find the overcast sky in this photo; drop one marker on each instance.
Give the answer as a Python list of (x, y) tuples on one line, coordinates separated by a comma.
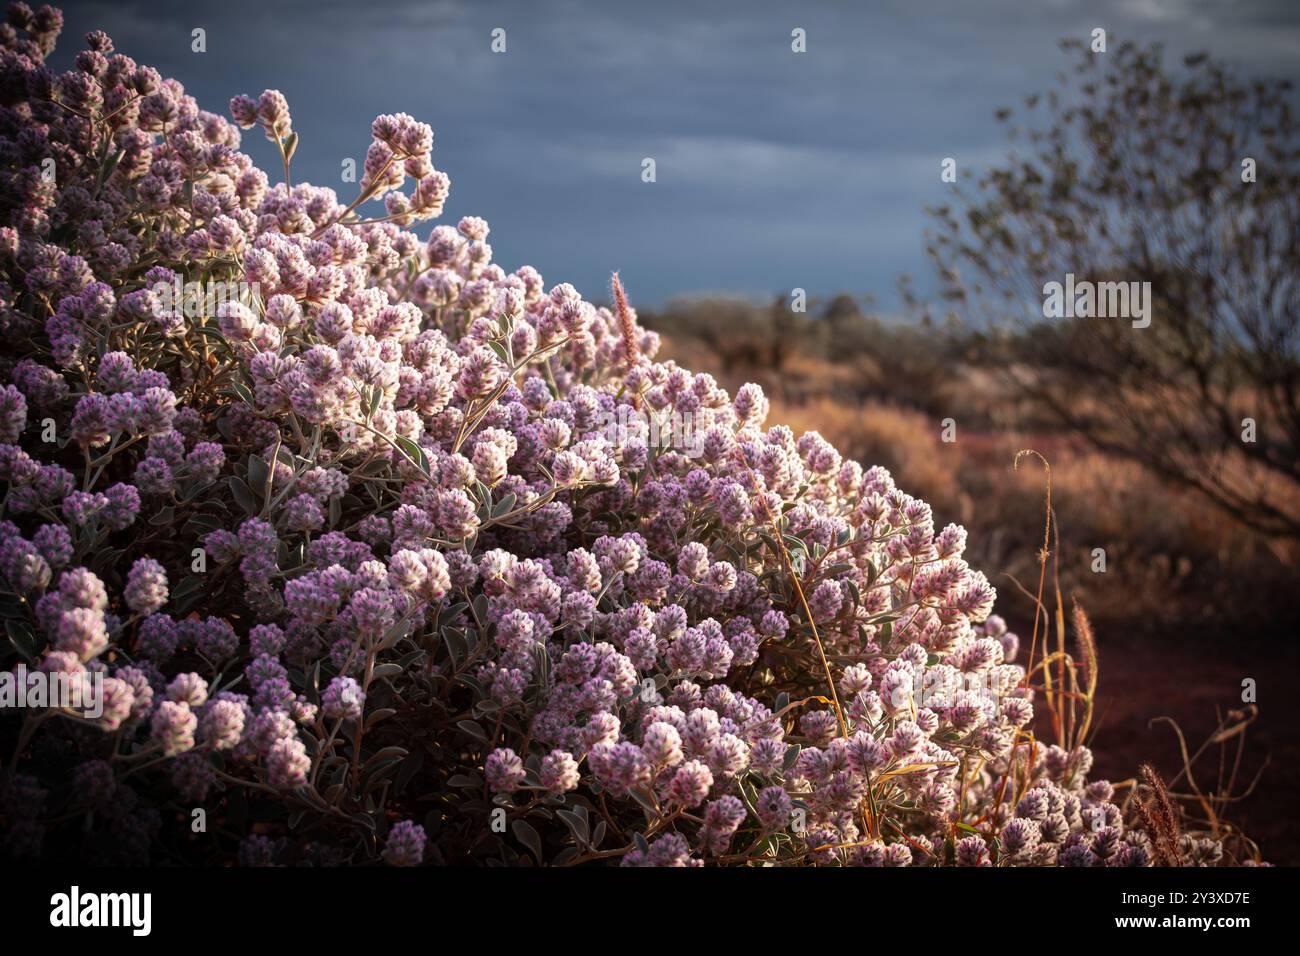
[(775, 170)]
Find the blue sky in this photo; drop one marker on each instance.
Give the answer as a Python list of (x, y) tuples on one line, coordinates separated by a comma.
[(775, 170)]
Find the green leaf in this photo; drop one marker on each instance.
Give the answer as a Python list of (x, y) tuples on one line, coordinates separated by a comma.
[(14, 610), (200, 525), (413, 451), (450, 613), (388, 753), (240, 389), (474, 729), (855, 596), (104, 558), (258, 471), (576, 824), (457, 649), (186, 593), (23, 638), (243, 495), (410, 767), (110, 164), (529, 837), (791, 755), (214, 333), (644, 799)]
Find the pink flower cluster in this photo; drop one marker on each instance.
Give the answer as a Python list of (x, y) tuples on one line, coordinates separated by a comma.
[(359, 535)]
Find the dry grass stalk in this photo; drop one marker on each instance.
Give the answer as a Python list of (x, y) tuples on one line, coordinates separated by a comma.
[(1160, 817), (1088, 667), (626, 323)]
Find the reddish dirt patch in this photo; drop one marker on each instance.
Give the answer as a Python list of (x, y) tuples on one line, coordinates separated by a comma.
[(1187, 680)]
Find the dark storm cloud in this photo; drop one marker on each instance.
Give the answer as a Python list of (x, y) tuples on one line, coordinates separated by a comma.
[(774, 170)]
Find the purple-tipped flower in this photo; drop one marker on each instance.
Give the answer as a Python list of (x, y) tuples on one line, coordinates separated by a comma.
[(405, 844), (690, 784), (559, 772), (146, 586), (343, 699), (173, 727), (504, 770), (972, 851), (222, 724), (118, 703), (287, 763), (189, 689)]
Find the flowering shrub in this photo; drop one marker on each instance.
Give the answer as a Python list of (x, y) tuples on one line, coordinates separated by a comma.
[(364, 574)]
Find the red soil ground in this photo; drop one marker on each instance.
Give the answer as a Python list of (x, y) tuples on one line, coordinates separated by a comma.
[(1187, 680)]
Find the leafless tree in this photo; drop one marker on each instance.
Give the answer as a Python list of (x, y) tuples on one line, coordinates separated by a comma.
[(1141, 172)]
